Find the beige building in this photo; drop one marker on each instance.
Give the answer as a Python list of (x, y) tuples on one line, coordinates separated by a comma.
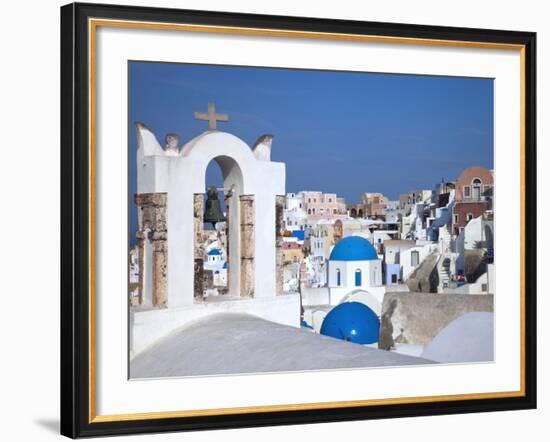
[(407, 200), (374, 204), (371, 205), (292, 252)]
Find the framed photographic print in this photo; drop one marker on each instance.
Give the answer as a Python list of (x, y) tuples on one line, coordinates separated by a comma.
[(279, 220)]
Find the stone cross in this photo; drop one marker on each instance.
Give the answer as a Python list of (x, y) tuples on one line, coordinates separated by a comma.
[(211, 116)]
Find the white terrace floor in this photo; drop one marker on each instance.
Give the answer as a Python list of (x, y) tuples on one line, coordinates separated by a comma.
[(231, 343)]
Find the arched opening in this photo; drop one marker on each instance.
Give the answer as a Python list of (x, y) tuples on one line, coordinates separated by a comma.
[(221, 200), (338, 277), (214, 179), (476, 186)]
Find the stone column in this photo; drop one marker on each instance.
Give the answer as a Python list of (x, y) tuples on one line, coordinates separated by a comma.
[(279, 218), (153, 228), (160, 274), (141, 265), (247, 216), (226, 232), (198, 246)]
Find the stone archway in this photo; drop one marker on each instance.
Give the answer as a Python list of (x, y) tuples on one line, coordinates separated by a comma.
[(259, 187), (240, 231)]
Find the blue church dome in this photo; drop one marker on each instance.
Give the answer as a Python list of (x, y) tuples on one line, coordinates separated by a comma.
[(215, 252), (353, 322), (353, 248)]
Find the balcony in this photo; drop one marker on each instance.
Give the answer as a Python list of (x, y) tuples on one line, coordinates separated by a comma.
[(480, 199)]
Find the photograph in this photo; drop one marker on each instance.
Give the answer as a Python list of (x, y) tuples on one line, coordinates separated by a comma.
[(273, 220), (295, 220)]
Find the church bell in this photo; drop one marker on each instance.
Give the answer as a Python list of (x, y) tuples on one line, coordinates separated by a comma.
[(212, 210)]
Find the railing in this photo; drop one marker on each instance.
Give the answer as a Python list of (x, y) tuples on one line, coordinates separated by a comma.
[(481, 199)]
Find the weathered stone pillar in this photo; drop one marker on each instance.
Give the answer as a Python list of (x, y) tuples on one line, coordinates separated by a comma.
[(141, 265), (160, 274), (198, 246), (153, 229), (227, 243), (247, 216), (279, 258)]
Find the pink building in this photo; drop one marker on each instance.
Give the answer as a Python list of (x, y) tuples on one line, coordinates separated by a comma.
[(473, 194), (323, 205)]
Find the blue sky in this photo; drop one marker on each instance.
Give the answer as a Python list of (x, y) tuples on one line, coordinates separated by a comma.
[(339, 132)]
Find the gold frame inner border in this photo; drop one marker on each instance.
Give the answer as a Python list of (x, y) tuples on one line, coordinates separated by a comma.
[(93, 24)]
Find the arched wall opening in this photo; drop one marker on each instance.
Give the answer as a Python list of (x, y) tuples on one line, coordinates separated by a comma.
[(214, 178), (224, 173)]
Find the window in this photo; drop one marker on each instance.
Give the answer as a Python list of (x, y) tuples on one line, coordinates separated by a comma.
[(300, 205), (469, 216), (309, 200), (467, 192), (309, 211), (338, 277), (415, 258), (330, 200), (476, 182), (358, 278), (334, 211), (313, 211), (456, 218), (393, 278)]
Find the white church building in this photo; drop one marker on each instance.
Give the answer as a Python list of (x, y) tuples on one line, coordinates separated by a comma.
[(354, 269)]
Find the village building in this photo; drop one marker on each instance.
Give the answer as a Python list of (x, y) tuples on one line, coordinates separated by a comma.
[(294, 213), (319, 205), (304, 209), (292, 250), (414, 213), (393, 256), (393, 213), (373, 204), (412, 258), (474, 191), (475, 248), (409, 199)]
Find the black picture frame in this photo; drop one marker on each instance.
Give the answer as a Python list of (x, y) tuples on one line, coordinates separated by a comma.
[(75, 221)]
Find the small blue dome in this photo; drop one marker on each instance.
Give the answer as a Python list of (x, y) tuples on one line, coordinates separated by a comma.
[(352, 321), (215, 252), (224, 265), (353, 248)]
